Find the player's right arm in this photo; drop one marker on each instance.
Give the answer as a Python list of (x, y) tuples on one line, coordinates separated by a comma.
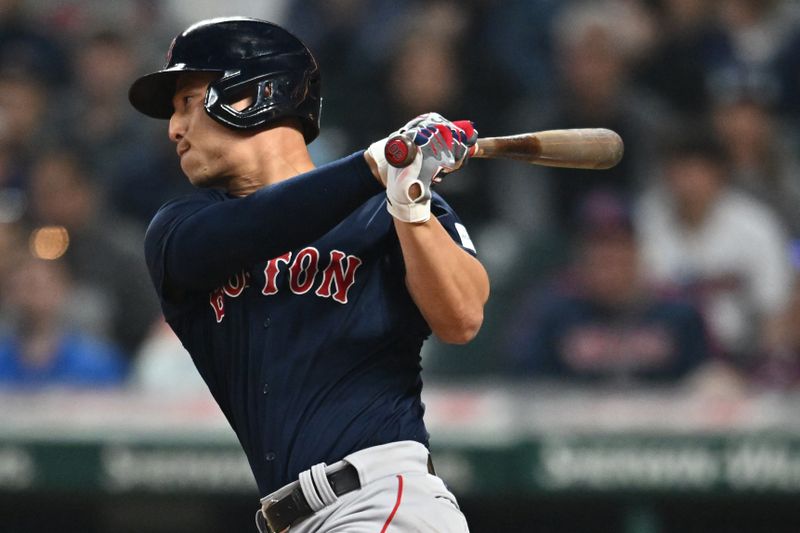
[(198, 242)]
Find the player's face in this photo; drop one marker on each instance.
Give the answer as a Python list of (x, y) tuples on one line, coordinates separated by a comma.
[(207, 149)]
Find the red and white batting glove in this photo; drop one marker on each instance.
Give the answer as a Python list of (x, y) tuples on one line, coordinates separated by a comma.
[(442, 147)]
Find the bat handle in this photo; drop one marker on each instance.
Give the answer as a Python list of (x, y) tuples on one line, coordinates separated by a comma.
[(399, 151)]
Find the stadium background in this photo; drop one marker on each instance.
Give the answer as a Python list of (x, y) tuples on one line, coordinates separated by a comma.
[(585, 440)]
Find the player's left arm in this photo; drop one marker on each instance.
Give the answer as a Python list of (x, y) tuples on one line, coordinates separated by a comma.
[(448, 285)]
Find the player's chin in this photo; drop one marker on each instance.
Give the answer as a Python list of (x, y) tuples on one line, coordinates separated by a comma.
[(199, 175)]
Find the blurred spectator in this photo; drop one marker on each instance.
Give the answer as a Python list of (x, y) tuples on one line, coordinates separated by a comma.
[(105, 255), (26, 43), (761, 160), (524, 49), (23, 124), (602, 323), (596, 46), (38, 349), (97, 120), (107, 42), (780, 367), (757, 30), (23, 131), (163, 365), (428, 62), (727, 249), (349, 38), (146, 22), (787, 68), (426, 73), (758, 33), (690, 44)]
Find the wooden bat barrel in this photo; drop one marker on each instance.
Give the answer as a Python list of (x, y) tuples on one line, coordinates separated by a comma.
[(586, 148)]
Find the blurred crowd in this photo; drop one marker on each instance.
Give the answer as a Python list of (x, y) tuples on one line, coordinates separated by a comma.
[(680, 265)]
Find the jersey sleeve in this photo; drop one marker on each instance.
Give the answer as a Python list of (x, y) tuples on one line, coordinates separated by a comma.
[(452, 224), (196, 243), (161, 229)]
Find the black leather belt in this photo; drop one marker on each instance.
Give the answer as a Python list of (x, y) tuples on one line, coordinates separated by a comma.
[(285, 511)]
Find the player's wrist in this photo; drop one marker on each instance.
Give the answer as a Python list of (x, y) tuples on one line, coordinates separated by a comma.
[(408, 195), (414, 213)]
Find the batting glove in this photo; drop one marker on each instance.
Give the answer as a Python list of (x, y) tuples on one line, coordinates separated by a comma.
[(442, 147)]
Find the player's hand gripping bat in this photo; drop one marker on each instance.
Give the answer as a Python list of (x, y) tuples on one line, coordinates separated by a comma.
[(591, 148)]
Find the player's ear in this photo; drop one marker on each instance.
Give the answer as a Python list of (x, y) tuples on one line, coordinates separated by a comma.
[(242, 99)]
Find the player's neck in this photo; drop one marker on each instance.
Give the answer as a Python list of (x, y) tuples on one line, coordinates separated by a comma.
[(276, 155)]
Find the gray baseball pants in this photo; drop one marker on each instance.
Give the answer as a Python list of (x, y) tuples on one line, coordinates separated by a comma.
[(397, 495)]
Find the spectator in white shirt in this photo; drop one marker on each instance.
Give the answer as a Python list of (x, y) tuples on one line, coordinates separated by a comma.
[(727, 249)]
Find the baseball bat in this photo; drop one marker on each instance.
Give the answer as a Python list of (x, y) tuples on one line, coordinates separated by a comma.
[(587, 148)]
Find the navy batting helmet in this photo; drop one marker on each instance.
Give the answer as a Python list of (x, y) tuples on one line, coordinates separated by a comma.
[(254, 58)]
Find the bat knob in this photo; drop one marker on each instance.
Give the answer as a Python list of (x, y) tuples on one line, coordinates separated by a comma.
[(399, 151)]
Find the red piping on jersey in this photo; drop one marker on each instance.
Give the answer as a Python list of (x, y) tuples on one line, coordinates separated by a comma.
[(396, 504)]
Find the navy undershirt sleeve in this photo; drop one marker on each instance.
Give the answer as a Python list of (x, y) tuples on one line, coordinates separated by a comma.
[(203, 248)]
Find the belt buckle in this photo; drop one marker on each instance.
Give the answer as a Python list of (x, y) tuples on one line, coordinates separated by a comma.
[(268, 501), (264, 508)]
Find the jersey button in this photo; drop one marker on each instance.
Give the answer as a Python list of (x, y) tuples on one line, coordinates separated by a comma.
[(266, 388), (270, 456), (267, 322)]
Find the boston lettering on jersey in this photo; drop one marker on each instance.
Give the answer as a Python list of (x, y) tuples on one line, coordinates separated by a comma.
[(303, 269)]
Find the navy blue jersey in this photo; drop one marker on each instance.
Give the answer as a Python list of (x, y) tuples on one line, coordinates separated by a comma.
[(571, 336), (311, 348)]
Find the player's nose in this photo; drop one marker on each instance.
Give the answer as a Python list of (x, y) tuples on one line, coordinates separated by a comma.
[(177, 128)]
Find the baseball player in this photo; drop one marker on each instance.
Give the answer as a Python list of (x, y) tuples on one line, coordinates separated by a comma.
[(304, 294)]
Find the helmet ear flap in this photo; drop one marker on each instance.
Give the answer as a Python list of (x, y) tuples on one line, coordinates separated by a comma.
[(273, 96), (223, 98), (239, 99)]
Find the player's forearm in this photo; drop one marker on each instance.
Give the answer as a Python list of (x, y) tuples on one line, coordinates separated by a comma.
[(449, 286), (221, 239)]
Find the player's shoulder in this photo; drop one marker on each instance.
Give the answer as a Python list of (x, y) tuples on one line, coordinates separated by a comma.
[(197, 198), (182, 206), (170, 215)]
